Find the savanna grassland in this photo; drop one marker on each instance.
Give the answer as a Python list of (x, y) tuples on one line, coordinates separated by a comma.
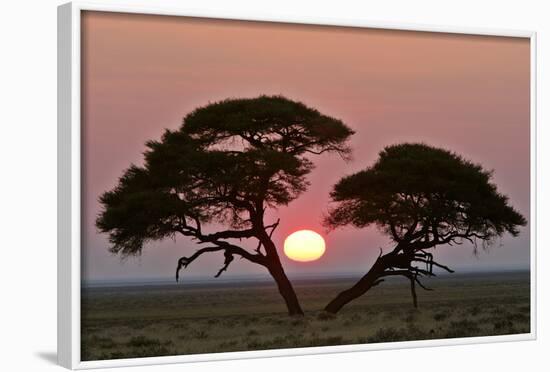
[(154, 320)]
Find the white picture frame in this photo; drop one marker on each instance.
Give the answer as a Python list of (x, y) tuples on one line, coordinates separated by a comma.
[(69, 194)]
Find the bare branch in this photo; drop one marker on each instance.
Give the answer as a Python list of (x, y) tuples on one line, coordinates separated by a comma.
[(258, 251), (185, 261), (229, 249), (228, 259), (273, 227), (395, 273), (434, 263), (410, 231), (228, 234), (419, 271), (422, 285)]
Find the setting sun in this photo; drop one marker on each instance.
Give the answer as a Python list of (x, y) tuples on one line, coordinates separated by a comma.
[(304, 246)]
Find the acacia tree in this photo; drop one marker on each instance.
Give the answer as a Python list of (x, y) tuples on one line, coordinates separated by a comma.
[(421, 197), (223, 168)]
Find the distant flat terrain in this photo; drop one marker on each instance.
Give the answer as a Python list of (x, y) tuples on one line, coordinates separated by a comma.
[(189, 318)]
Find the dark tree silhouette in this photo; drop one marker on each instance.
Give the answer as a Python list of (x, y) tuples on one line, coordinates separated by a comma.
[(421, 197), (227, 164)]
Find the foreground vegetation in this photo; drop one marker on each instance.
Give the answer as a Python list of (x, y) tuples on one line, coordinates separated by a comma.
[(155, 320)]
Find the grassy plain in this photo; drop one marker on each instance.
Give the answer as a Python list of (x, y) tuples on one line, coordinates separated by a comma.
[(155, 320)]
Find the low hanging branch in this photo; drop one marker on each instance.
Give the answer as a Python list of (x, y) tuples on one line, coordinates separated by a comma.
[(229, 251), (185, 261), (228, 258)]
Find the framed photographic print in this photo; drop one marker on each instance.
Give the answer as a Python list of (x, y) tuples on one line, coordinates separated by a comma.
[(252, 187)]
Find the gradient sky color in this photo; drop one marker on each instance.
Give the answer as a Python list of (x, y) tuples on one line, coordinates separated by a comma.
[(144, 73)]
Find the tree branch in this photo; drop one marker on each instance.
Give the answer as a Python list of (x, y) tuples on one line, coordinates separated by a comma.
[(183, 262), (229, 234), (273, 227), (422, 285), (410, 231), (229, 251), (434, 263), (228, 259)]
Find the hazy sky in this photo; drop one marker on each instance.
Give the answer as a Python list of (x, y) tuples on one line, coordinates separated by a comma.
[(143, 73)]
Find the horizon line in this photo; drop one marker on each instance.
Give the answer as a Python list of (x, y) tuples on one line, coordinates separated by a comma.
[(266, 277)]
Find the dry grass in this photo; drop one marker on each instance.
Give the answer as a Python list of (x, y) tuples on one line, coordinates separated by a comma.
[(168, 320)]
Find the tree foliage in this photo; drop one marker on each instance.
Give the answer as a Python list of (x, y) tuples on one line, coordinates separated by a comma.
[(424, 195)]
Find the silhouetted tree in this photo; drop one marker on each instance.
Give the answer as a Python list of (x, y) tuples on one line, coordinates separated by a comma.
[(421, 197), (227, 164)]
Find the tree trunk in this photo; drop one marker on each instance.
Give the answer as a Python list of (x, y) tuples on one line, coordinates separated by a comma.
[(359, 289), (285, 288), (276, 270)]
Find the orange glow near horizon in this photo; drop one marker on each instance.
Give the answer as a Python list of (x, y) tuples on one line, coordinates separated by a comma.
[(304, 246)]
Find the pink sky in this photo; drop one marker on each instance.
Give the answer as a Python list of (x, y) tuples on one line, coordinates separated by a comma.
[(143, 73)]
